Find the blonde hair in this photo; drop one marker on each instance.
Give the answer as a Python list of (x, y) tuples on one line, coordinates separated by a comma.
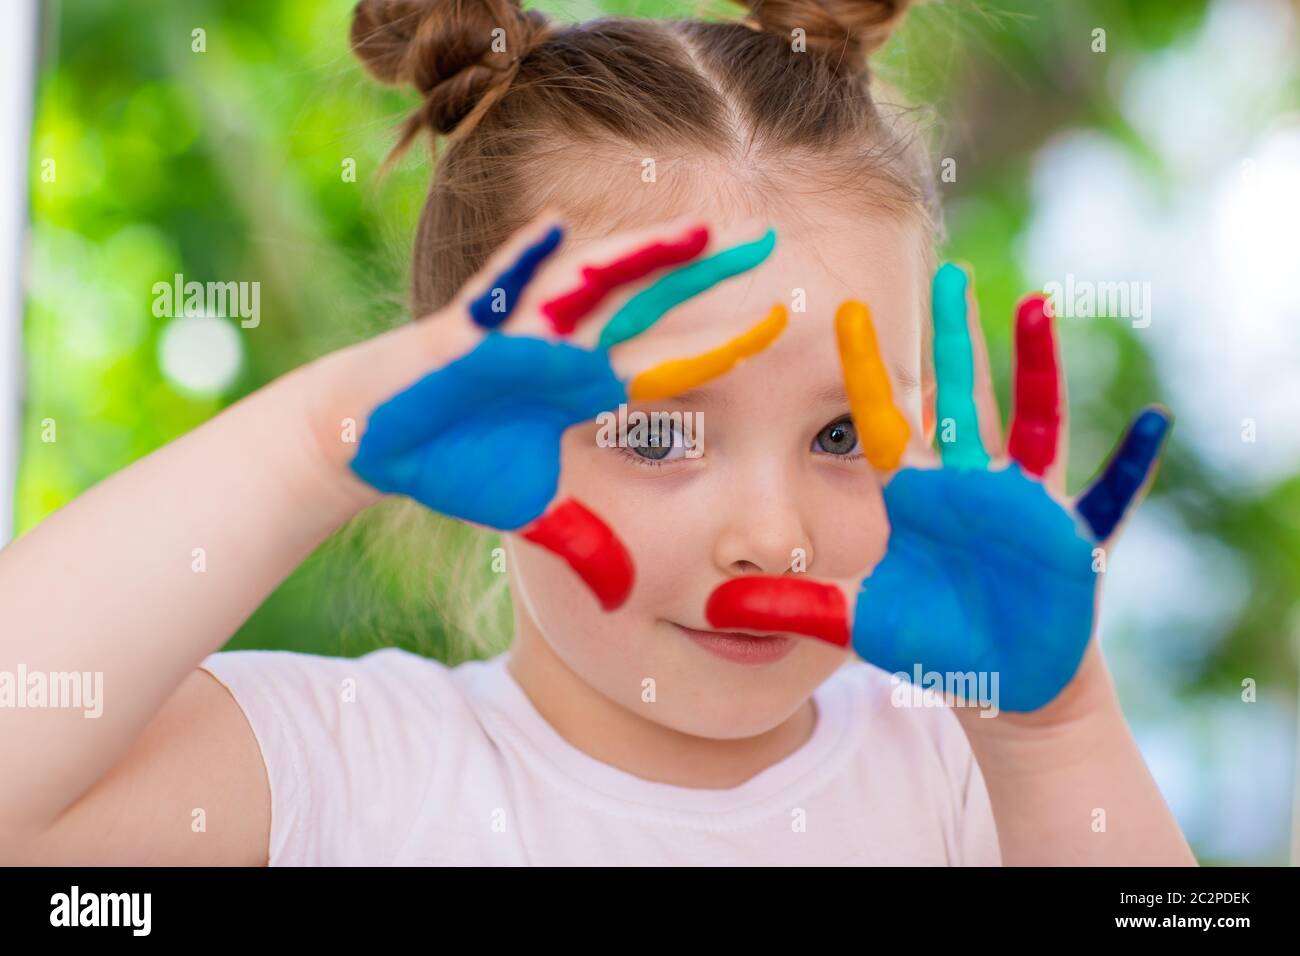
[(512, 99)]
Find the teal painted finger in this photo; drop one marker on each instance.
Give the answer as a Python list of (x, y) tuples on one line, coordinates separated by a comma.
[(954, 364), (649, 305)]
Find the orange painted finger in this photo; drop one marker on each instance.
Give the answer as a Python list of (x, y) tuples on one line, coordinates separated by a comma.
[(882, 429), (678, 375)]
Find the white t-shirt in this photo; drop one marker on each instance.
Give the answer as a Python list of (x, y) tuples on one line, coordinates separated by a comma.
[(396, 759)]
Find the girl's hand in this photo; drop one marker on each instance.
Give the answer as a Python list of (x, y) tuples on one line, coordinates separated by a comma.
[(479, 437), (989, 569)]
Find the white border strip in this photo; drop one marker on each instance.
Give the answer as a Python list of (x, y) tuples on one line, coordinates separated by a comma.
[(18, 44)]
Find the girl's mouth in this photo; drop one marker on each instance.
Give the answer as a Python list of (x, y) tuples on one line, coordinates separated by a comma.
[(740, 647)]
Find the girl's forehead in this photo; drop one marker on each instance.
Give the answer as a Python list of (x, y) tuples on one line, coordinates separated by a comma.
[(797, 378), (810, 273), (823, 243)]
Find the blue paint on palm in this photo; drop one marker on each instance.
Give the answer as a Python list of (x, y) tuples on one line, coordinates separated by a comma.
[(479, 439), (984, 573)]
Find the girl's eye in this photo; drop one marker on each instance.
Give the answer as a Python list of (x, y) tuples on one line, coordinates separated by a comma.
[(657, 444), (838, 438)]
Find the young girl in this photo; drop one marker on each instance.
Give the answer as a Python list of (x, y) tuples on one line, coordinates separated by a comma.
[(713, 219)]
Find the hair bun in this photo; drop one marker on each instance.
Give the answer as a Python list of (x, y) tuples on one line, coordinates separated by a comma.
[(445, 50), (855, 28)]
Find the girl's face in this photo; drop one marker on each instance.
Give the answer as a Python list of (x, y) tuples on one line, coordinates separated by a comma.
[(775, 483)]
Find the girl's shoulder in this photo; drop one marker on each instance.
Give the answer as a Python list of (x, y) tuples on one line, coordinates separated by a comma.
[(344, 738), (391, 695), (389, 679)]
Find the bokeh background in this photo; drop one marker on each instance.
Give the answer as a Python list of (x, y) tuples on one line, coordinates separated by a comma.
[(1170, 158)]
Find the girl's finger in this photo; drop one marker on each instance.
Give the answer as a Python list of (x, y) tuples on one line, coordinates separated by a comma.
[(1054, 475), (495, 289), (958, 424), (574, 533), (495, 304), (1036, 402), (649, 305), (1104, 504), (678, 375), (568, 308), (783, 605), (882, 429)]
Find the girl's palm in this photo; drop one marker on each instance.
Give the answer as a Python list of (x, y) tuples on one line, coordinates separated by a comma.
[(989, 572), (443, 440)]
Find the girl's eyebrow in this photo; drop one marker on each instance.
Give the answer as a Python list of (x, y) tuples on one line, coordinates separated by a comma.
[(699, 397), (834, 394), (907, 382)]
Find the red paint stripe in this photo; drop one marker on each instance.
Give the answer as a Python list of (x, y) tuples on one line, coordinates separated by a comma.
[(1036, 406), (566, 310), (589, 546), (788, 605)]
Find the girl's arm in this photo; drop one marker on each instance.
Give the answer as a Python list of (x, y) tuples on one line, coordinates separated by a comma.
[(1068, 784), (147, 573), (150, 571)]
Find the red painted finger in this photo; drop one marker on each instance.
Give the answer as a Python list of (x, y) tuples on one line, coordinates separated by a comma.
[(566, 310), (574, 533), (1036, 403), (788, 605)]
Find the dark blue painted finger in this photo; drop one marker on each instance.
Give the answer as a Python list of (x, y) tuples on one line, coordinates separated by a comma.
[(495, 305), (1103, 505)]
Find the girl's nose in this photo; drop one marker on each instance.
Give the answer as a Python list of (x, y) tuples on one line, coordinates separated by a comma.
[(762, 530)]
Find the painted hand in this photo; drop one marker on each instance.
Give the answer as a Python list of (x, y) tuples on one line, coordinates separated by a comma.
[(440, 441), (988, 570)]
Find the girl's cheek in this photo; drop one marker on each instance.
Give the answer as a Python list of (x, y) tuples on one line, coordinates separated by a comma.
[(640, 503), (607, 485), (850, 527), (565, 612), (547, 585)]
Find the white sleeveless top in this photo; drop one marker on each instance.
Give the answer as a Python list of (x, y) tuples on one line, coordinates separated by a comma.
[(396, 759)]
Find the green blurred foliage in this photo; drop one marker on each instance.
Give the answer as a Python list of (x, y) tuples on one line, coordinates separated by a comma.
[(228, 165)]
